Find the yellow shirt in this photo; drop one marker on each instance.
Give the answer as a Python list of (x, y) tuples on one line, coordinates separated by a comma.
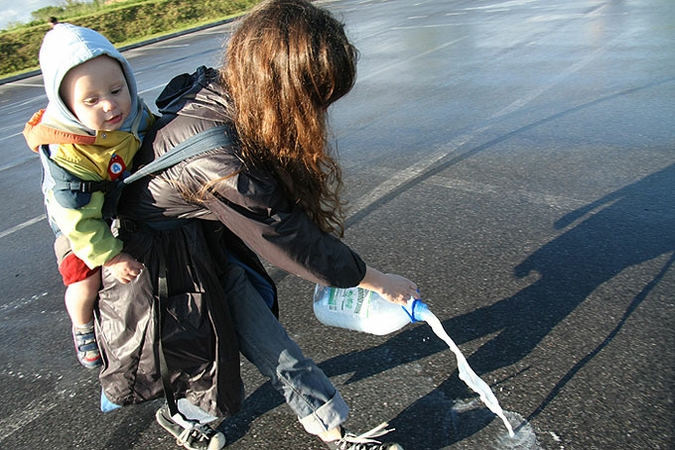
[(90, 237)]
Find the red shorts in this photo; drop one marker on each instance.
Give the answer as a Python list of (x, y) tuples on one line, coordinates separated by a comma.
[(72, 268)]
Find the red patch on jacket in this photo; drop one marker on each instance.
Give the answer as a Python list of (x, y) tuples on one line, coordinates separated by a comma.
[(116, 167)]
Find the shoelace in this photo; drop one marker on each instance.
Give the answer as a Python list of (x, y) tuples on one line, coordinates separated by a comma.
[(366, 438), (196, 432)]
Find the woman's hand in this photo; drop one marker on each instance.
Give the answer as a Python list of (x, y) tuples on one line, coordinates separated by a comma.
[(393, 288)]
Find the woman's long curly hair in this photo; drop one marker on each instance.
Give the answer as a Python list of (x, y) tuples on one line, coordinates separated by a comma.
[(285, 64)]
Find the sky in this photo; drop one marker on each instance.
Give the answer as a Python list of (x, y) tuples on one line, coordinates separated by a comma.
[(19, 10)]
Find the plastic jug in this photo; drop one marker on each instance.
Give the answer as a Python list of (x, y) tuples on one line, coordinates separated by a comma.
[(363, 310)]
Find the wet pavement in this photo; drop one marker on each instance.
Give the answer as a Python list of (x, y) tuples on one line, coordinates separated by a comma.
[(515, 158)]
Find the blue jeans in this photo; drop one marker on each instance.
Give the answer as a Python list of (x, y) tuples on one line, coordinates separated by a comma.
[(264, 342)]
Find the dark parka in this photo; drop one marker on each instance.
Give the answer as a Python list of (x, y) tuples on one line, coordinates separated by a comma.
[(246, 214)]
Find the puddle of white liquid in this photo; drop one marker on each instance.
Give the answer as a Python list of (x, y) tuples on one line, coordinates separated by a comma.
[(524, 437), (467, 374), (472, 410)]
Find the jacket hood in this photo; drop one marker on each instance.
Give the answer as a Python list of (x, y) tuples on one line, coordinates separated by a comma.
[(65, 47)]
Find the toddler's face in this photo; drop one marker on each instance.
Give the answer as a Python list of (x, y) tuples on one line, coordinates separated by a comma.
[(97, 93)]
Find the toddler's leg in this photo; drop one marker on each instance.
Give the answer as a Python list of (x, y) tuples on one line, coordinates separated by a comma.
[(80, 299), (82, 285)]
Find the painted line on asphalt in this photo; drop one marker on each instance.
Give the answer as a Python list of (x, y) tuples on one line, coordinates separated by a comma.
[(391, 184), (35, 410), (401, 177), (9, 136), (145, 91), (18, 162), (518, 104), (412, 58), (539, 198), (23, 225), (21, 302)]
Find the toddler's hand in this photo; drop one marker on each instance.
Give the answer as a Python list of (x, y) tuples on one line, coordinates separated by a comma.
[(124, 267)]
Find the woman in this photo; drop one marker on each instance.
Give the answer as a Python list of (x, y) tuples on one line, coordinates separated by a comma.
[(271, 188)]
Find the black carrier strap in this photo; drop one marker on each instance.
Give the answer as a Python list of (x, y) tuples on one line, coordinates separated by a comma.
[(87, 187), (65, 182), (193, 146), (163, 291)]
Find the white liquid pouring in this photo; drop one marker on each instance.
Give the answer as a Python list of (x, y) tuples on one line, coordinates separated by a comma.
[(466, 373), (363, 310)]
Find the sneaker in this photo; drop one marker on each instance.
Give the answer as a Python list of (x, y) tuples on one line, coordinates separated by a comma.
[(365, 441), (87, 348), (194, 435)]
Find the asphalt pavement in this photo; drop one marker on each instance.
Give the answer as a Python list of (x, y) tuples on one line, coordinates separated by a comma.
[(515, 158)]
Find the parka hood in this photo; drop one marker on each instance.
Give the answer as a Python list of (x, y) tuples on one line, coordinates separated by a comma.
[(65, 47)]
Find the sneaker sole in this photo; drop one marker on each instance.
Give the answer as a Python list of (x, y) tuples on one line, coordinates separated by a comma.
[(216, 442), (174, 429)]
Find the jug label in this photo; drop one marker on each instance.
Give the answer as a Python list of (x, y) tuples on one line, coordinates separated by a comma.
[(354, 301)]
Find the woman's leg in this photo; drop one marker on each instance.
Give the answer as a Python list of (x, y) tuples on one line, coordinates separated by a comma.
[(264, 342)]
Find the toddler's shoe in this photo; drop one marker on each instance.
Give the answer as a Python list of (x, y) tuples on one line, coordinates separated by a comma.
[(86, 347)]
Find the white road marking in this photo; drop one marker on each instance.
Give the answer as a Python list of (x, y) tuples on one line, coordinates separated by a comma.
[(21, 226)]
